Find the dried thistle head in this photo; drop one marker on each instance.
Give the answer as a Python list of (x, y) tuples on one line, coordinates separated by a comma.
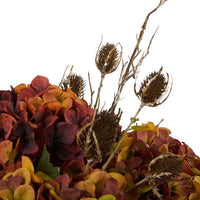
[(76, 83), (108, 58), (164, 168), (154, 88), (106, 130)]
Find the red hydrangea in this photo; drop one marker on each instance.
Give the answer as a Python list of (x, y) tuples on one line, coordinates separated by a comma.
[(39, 114), (40, 159)]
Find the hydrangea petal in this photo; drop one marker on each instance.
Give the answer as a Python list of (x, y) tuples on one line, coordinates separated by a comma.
[(86, 185), (24, 173), (63, 181), (107, 197), (19, 88), (13, 182), (99, 178), (26, 163), (5, 150), (123, 154), (65, 133), (73, 167), (145, 127), (71, 193), (49, 97), (24, 192), (42, 113), (6, 194), (196, 182), (120, 179), (6, 124), (67, 103), (34, 103), (146, 136), (112, 188), (194, 196), (40, 83), (127, 142)]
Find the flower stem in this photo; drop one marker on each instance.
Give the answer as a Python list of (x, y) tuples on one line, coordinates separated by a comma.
[(99, 90), (93, 119), (141, 182), (133, 120)]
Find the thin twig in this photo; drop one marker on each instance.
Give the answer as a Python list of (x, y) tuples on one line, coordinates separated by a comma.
[(68, 79), (63, 76), (80, 132), (97, 146), (99, 90), (91, 91), (87, 143), (127, 73), (144, 55)]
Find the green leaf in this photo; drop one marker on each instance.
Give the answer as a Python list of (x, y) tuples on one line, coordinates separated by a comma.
[(45, 166)]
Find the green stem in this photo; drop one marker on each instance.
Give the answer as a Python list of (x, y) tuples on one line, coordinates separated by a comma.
[(133, 120)]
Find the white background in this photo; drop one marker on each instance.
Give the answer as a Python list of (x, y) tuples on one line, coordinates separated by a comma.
[(43, 37)]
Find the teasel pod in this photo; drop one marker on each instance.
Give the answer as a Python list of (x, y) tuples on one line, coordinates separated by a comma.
[(155, 89), (107, 130), (105, 133), (108, 58), (76, 83), (164, 169)]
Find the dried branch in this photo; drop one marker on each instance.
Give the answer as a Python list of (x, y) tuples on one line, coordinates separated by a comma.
[(129, 69), (137, 47), (127, 73), (144, 55)]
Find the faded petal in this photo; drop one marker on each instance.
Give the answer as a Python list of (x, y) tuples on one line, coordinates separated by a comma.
[(5, 150), (65, 133), (40, 83), (24, 192)]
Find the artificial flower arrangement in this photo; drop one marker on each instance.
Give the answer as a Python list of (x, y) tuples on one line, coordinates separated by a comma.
[(56, 146)]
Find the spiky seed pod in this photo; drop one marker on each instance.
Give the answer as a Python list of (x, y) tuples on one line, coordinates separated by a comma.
[(165, 168), (153, 88), (76, 83), (108, 58), (106, 129)]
